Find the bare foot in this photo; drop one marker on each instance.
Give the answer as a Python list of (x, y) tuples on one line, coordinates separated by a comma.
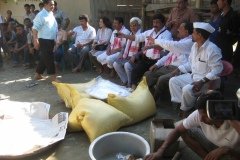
[(134, 86), (38, 76), (75, 70), (54, 78)]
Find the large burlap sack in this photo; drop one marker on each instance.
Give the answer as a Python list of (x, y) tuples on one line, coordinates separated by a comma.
[(69, 94), (96, 118), (139, 105)]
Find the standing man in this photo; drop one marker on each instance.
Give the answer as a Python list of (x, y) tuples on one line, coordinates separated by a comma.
[(204, 66), (181, 13), (61, 15), (28, 14), (228, 29), (44, 34)]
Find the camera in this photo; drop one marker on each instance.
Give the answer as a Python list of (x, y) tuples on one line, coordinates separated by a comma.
[(223, 109)]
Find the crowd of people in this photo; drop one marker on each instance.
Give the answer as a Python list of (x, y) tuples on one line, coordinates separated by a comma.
[(180, 54)]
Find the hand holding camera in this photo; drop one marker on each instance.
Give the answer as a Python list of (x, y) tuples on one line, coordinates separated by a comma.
[(223, 109)]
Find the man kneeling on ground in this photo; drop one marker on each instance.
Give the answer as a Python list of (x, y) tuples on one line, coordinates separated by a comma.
[(210, 139)]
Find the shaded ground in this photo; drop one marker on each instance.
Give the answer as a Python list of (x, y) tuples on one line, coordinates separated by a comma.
[(13, 83)]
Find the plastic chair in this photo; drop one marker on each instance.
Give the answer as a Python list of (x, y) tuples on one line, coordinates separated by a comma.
[(227, 68)]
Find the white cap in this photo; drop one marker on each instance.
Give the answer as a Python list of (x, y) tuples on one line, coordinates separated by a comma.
[(205, 26)]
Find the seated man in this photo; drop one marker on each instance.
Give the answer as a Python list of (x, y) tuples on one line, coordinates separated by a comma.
[(84, 35), (59, 45), (21, 46), (151, 53), (116, 44), (205, 66), (160, 73), (210, 139), (123, 65)]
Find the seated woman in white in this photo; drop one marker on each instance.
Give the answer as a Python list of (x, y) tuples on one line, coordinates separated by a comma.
[(101, 42)]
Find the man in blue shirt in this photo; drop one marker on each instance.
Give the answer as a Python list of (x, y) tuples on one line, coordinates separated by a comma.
[(44, 36)]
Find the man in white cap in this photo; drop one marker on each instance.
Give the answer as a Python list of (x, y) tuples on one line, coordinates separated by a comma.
[(200, 73)]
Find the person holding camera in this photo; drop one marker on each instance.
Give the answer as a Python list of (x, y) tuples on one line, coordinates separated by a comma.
[(210, 139)]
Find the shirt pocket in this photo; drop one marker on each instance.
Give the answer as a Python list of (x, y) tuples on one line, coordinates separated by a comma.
[(202, 66)]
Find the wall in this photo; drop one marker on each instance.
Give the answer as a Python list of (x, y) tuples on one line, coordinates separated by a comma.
[(73, 10)]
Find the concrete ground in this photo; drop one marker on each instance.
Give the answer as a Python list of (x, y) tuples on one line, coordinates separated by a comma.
[(13, 83)]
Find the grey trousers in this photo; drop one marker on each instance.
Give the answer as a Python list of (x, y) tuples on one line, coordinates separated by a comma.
[(158, 80)]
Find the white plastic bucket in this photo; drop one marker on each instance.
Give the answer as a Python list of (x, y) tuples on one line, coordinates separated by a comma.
[(111, 144)]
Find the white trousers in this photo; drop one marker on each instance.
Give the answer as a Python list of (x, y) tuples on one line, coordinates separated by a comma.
[(124, 72), (181, 90), (108, 59)]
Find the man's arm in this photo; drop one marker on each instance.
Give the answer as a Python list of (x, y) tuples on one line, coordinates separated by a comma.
[(172, 137), (35, 39)]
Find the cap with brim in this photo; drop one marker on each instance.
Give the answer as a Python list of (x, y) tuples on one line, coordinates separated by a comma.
[(205, 26)]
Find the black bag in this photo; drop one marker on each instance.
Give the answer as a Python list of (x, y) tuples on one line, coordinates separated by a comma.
[(101, 47)]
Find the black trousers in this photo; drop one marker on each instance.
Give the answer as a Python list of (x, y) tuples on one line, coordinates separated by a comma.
[(140, 68), (46, 57)]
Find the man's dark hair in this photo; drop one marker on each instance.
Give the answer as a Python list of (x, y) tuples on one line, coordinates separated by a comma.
[(160, 16), (26, 5), (20, 25), (46, 1), (40, 4), (205, 34), (27, 19), (55, 3), (189, 27), (201, 102), (32, 5), (119, 19), (213, 2), (229, 2), (84, 17)]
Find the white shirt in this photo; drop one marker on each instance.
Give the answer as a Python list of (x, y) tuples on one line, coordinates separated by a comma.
[(103, 35), (123, 40), (46, 25), (82, 36), (31, 16), (180, 49), (204, 62), (226, 135), (162, 34)]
